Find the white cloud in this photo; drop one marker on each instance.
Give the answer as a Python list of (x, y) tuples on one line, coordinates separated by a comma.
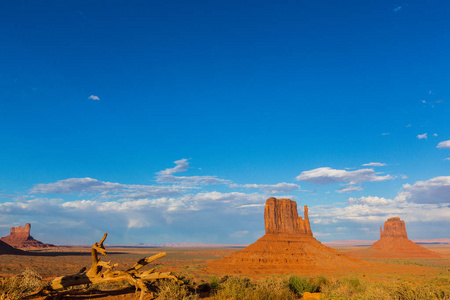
[(435, 134), (422, 136), (385, 133), (328, 175), (349, 189), (398, 8), (105, 189), (448, 158), (373, 201), (282, 187), (435, 190), (374, 164), (182, 165), (239, 234), (93, 97), (444, 144)]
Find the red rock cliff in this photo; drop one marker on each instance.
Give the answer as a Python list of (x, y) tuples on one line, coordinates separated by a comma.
[(21, 232), (394, 227), (281, 217), (20, 237)]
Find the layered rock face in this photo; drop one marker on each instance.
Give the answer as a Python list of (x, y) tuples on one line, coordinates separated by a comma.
[(20, 237), (287, 246), (394, 227), (281, 216)]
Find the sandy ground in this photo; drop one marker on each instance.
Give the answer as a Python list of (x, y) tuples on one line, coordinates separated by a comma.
[(192, 262)]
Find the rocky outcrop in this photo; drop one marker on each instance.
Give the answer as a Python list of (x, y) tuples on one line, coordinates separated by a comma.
[(287, 246), (394, 243), (281, 216), (394, 227), (20, 238)]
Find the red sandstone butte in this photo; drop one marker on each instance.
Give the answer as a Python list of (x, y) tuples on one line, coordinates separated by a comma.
[(20, 238), (287, 246), (281, 216), (394, 243)]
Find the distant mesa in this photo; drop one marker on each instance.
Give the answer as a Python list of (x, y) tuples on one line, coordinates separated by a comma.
[(394, 243), (287, 246), (20, 238)]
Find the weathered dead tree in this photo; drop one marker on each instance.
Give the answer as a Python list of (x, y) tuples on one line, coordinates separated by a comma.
[(133, 275)]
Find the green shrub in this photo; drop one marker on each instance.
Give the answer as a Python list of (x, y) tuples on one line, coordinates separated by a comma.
[(300, 285), (214, 283), (241, 288)]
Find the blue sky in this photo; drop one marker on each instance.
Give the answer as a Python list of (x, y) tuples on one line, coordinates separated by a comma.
[(172, 121)]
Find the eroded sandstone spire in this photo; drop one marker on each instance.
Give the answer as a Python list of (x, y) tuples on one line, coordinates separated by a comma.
[(281, 216)]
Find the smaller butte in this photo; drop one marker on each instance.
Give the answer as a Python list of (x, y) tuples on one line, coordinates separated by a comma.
[(394, 243), (20, 238), (287, 246)]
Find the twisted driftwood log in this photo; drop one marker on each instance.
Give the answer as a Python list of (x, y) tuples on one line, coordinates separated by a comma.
[(133, 275)]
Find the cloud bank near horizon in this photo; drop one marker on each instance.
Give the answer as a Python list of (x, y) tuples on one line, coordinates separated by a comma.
[(171, 205)]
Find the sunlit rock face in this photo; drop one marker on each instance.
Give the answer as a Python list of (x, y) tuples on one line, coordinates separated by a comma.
[(288, 246), (281, 216), (20, 238), (394, 227)]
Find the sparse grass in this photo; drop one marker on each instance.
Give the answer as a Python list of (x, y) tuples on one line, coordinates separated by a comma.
[(241, 288), (301, 284), (171, 290), (17, 287)]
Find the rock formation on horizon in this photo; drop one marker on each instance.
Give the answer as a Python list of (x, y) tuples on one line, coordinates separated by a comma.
[(394, 243), (287, 246), (20, 238), (393, 227)]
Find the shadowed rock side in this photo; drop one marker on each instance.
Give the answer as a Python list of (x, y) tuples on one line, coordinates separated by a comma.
[(7, 249), (394, 243), (20, 238), (287, 246)]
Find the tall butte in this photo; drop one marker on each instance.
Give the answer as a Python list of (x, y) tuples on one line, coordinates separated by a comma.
[(287, 246), (20, 238), (394, 243)]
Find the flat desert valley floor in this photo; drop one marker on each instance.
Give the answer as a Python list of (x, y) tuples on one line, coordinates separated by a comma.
[(193, 262)]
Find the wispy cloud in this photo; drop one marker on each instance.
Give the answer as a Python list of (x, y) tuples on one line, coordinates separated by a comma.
[(397, 9), (349, 189), (239, 234), (444, 144), (422, 136), (328, 175), (93, 97), (385, 133), (282, 187), (374, 164), (182, 165), (105, 190)]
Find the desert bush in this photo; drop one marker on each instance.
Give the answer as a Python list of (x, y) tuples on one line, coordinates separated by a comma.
[(345, 287), (171, 290), (19, 286), (300, 285), (241, 288), (214, 283)]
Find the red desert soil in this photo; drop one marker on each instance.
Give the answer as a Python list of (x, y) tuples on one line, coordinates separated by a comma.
[(394, 243)]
